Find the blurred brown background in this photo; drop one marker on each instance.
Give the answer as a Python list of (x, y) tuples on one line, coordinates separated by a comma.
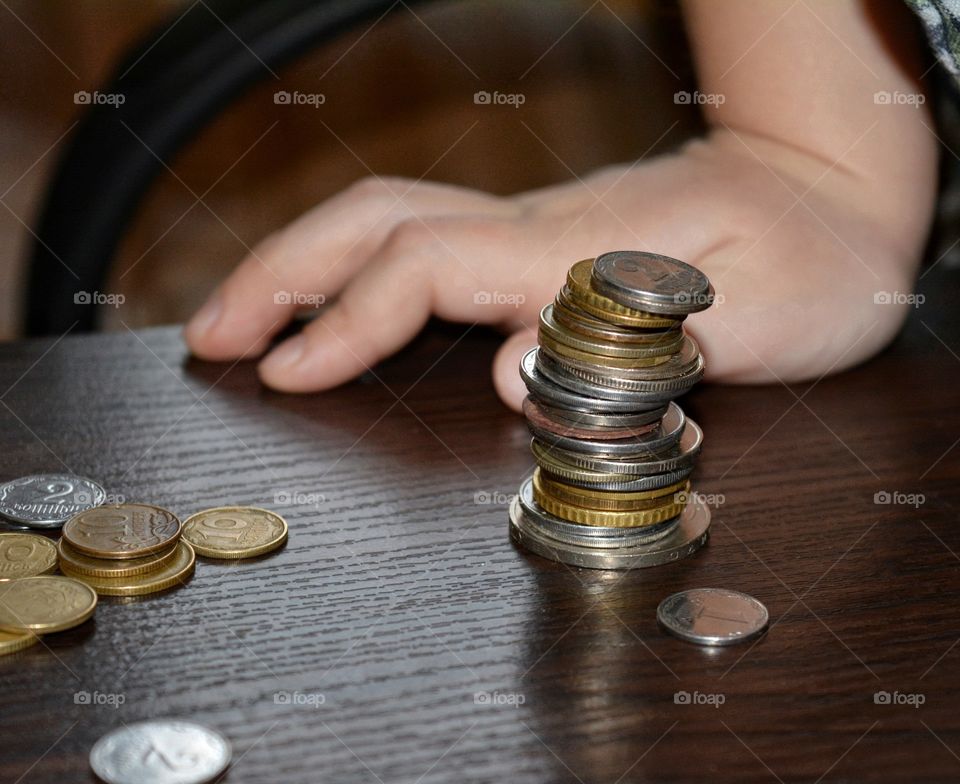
[(597, 77)]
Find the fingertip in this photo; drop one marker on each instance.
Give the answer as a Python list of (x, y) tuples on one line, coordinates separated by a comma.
[(506, 368)]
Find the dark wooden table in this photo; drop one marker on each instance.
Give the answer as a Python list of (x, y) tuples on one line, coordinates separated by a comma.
[(399, 597)]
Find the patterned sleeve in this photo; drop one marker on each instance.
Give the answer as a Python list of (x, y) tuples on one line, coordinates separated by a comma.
[(941, 18)]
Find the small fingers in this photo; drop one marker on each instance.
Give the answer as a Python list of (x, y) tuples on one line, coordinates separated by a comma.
[(506, 364)]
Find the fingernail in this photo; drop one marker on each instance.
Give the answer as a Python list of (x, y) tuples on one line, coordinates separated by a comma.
[(286, 355), (204, 319)]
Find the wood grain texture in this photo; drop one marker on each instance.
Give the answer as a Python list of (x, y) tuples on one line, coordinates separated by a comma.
[(398, 597)]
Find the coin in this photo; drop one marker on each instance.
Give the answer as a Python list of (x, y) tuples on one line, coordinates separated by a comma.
[(76, 563), (682, 456), (580, 292), (161, 751), (173, 573), (11, 642), (122, 531), (26, 555), (565, 314), (544, 418), (640, 518), (546, 390), (606, 351), (665, 435), (48, 500), (600, 421), (590, 535), (233, 532), (684, 540), (713, 616), (651, 282), (44, 604), (606, 500), (604, 480)]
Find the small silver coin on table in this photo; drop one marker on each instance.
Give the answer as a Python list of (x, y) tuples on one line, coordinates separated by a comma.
[(164, 751), (713, 616), (48, 500)]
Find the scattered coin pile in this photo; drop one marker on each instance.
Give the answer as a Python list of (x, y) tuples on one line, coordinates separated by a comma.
[(127, 549), (613, 452)]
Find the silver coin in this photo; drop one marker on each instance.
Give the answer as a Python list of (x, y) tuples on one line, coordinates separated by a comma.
[(48, 500), (591, 420), (590, 535), (651, 282), (664, 436), (619, 483), (689, 536), (713, 616), (556, 374), (160, 752), (555, 394), (681, 456)]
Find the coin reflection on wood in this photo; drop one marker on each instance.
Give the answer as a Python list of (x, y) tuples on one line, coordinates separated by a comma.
[(613, 453)]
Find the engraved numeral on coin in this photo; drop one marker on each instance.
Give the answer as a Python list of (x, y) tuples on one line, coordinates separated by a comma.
[(228, 528), (56, 490), (185, 761)]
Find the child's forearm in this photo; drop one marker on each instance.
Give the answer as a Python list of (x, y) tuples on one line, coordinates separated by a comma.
[(801, 82)]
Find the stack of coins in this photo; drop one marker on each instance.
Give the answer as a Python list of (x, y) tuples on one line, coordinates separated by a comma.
[(125, 549), (613, 452)]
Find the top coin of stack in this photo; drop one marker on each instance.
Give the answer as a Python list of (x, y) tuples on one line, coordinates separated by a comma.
[(613, 452)]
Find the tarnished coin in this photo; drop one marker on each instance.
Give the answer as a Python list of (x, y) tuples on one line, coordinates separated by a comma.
[(713, 616), (48, 500), (579, 321), (233, 532), (606, 351), (162, 751), (651, 282), (11, 642), (44, 604), (607, 500), (122, 531), (26, 555), (76, 563), (173, 573)]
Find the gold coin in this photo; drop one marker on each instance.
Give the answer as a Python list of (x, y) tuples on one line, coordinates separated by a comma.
[(174, 572), (122, 531), (608, 519), (78, 563), (604, 500), (233, 532), (11, 642), (598, 359), (26, 555), (572, 318), (581, 293), (44, 604)]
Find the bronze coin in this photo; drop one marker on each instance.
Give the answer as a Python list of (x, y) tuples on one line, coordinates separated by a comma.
[(122, 531)]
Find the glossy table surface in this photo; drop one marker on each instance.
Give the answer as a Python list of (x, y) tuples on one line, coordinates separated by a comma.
[(400, 637)]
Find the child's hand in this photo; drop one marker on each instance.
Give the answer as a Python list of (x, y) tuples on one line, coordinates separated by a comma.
[(796, 236)]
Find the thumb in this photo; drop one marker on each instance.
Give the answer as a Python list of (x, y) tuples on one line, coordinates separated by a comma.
[(506, 367)]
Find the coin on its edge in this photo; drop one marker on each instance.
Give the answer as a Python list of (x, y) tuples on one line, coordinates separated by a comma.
[(135, 753), (122, 530), (26, 555), (171, 574), (44, 604), (234, 532), (713, 616)]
